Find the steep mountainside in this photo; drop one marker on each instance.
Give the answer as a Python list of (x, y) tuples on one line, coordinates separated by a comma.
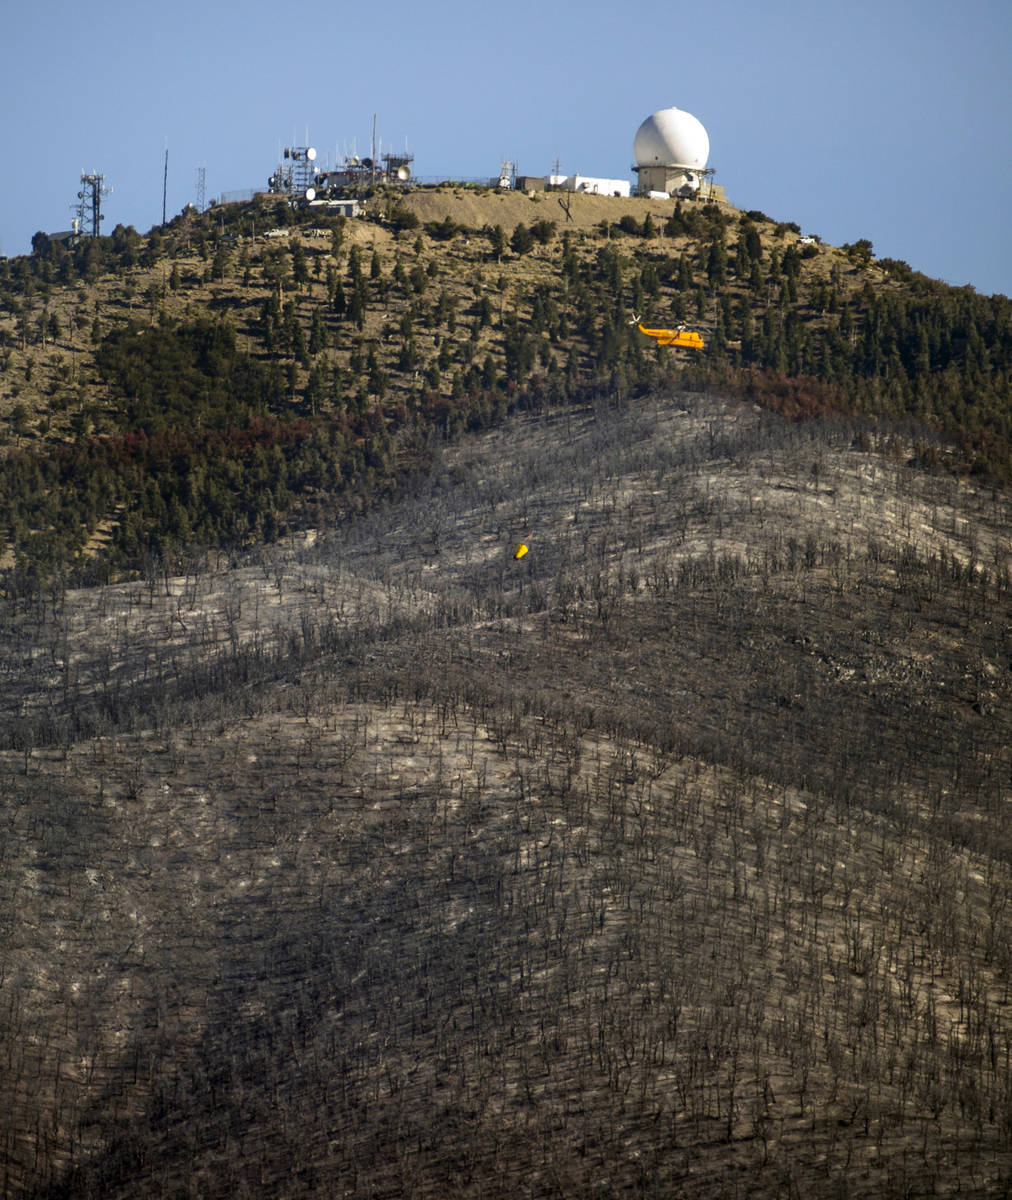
[(672, 859), (256, 369)]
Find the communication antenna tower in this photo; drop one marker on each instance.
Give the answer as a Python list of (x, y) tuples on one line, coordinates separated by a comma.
[(201, 188), (299, 179), (89, 208)]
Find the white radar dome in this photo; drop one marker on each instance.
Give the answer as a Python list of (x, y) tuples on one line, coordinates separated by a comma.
[(671, 138)]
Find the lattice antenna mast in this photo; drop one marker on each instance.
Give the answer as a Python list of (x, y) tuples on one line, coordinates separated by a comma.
[(89, 209)]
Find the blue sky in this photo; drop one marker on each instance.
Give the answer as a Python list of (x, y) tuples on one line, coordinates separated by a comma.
[(882, 120)]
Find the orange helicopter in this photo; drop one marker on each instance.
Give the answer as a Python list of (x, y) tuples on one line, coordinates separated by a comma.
[(688, 339)]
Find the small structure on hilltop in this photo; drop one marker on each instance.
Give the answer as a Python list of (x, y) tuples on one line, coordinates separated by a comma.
[(589, 184)]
